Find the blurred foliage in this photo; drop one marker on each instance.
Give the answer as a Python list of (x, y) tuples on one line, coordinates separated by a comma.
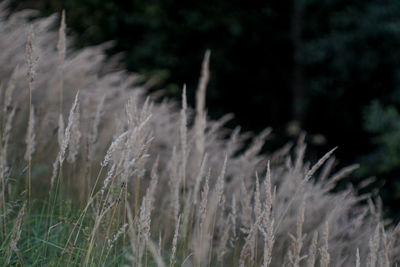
[(271, 60), (383, 123)]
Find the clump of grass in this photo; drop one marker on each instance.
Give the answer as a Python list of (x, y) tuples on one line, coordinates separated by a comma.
[(126, 171)]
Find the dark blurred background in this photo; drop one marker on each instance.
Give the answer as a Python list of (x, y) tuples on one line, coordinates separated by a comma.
[(329, 67)]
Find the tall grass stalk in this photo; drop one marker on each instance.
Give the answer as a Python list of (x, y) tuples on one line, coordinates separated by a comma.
[(183, 135), (30, 138), (8, 113)]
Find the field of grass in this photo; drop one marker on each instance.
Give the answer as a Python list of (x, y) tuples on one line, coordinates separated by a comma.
[(96, 172)]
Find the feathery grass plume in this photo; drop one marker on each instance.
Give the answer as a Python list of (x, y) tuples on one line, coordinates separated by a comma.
[(188, 219), (268, 220), (340, 175), (204, 199), (299, 153), (107, 180), (246, 209), (143, 229), (132, 234), (394, 235), (278, 156), (150, 193), (30, 139), (60, 130), (183, 136), (31, 61), (8, 116), (8, 95), (16, 235), (4, 168), (200, 119), (202, 241), (174, 243), (257, 144), (219, 187), (75, 138), (30, 136), (269, 239), (268, 193), (325, 257), (297, 241), (159, 243), (312, 251), (327, 169), (218, 201), (174, 183), (247, 251), (303, 182), (223, 243), (374, 247), (68, 130), (113, 147), (30, 148), (148, 204), (113, 240), (198, 179), (385, 259), (373, 210), (233, 216), (257, 200), (54, 173), (214, 127), (233, 143), (317, 165)]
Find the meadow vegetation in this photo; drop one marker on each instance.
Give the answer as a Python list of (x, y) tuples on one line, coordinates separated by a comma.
[(95, 172)]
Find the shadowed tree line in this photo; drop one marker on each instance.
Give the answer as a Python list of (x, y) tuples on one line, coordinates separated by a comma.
[(333, 66)]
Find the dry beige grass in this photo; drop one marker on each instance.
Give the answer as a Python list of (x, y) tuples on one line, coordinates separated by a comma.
[(143, 169)]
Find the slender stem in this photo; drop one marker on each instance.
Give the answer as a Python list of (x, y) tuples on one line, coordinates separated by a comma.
[(90, 201)]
